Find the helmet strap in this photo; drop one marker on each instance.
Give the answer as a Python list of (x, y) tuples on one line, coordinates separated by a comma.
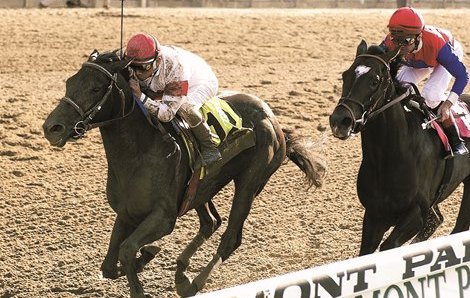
[(157, 46)]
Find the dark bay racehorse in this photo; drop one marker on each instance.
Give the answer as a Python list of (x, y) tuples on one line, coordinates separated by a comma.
[(402, 166), (147, 173)]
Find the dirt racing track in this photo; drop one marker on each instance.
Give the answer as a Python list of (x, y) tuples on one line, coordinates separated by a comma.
[(55, 222)]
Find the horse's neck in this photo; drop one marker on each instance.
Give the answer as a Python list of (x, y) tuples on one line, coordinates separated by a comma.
[(131, 137), (389, 130)]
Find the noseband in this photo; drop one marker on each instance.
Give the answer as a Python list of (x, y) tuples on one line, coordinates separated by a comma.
[(371, 112), (82, 126)]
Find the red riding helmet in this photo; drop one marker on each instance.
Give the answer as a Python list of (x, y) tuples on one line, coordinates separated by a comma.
[(406, 21), (142, 48)]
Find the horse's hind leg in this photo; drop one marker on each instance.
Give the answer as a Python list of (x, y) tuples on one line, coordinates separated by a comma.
[(209, 222), (433, 221), (463, 219), (245, 192)]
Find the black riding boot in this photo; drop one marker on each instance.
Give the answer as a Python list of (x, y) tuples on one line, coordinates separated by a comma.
[(456, 143), (209, 151)]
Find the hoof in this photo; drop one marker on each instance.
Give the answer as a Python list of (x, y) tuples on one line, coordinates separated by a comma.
[(111, 274), (184, 286)]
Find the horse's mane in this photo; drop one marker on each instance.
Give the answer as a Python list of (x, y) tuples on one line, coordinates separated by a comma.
[(108, 57), (111, 57)]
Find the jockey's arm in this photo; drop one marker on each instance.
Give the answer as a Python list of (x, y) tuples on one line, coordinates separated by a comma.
[(173, 95), (447, 58), (164, 109)]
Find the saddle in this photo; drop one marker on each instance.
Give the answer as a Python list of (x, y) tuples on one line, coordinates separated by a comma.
[(461, 115), (460, 111), (462, 121), (227, 132)]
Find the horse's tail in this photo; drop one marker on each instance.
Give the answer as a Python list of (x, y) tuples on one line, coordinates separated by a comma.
[(310, 163)]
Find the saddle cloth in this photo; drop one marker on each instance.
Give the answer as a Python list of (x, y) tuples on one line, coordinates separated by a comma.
[(227, 132), (223, 122), (462, 120)]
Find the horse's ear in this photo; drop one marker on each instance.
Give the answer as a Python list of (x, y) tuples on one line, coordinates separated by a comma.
[(361, 48), (389, 56), (93, 55)]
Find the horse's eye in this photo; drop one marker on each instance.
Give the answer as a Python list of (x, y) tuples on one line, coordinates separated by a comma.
[(374, 83), (96, 89)]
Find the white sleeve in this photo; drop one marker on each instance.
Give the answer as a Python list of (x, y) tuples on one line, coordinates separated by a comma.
[(151, 105), (453, 97), (164, 110)]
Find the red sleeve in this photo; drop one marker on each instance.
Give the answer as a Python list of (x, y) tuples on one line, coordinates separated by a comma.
[(178, 88)]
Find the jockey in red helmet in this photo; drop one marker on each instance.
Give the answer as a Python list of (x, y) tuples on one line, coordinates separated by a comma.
[(406, 20), (433, 53), (142, 49), (169, 81)]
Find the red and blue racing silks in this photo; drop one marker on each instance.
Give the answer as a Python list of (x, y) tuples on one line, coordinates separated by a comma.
[(436, 48)]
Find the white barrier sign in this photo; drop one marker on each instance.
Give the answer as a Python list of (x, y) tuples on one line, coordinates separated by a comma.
[(438, 268)]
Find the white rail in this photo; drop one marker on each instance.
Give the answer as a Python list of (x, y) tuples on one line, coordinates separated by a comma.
[(431, 269)]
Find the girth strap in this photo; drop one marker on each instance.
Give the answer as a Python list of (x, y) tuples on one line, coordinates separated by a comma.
[(449, 168)]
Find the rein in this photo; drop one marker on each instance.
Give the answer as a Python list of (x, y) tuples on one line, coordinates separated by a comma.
[(82, 126), (370, 113), (392, 102)]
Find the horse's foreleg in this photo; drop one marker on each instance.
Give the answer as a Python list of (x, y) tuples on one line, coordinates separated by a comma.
[(147, 253), (433, 221), (209, 221), (407, 226), (373, 230), (109, 266), (149, 230)]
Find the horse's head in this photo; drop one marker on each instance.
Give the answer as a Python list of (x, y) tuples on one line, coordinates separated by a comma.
[(94, 95), (367, 85)]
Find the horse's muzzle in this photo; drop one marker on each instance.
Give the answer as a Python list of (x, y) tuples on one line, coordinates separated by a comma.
[(55, 133), (58, 134), (341, 124)]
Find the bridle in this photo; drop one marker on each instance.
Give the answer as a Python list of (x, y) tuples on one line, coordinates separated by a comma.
[(380, 93), (84, 124)]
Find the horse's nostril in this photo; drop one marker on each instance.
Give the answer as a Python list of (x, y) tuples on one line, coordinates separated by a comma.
[(57, 129)]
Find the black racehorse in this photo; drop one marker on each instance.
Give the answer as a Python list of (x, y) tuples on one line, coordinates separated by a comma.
[(148, 173), (401, 177)]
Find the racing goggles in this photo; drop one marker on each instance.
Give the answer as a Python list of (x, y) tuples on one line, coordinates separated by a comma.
[(403, 40), (142, 67)]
